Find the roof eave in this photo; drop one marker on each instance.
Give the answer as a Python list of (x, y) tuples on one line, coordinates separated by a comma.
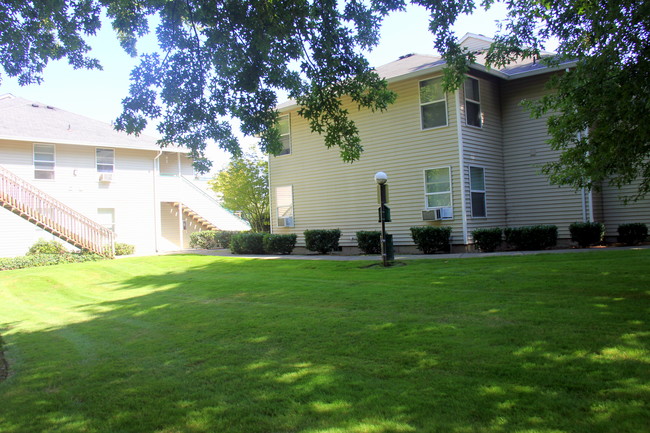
[(89, 144)]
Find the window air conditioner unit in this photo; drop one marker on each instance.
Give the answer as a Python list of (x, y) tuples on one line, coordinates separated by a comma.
[(441, 213), (285, 222), (106, 177)]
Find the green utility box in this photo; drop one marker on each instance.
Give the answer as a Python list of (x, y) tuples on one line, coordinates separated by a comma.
[(386, 214)]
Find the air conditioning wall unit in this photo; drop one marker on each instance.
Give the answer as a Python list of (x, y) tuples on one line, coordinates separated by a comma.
[(285, 222), (441, 213), (106, 177)]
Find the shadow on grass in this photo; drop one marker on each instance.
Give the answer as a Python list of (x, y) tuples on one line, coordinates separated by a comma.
[(240, 346)]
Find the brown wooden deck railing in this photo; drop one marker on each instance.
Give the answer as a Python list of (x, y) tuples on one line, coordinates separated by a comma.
[(37, 207)]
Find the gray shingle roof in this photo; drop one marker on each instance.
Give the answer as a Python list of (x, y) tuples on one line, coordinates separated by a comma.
[(25, 120)]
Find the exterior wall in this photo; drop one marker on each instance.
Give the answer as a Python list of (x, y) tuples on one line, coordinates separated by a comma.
[(482, 147), (328, 193), (529, 196), (77, 185), (616, 212), (170, 227)]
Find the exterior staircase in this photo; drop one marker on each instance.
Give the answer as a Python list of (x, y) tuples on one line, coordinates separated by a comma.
[(205, 224), (46, 212)]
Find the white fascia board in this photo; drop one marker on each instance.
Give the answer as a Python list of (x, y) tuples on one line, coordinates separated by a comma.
[(81, 143)]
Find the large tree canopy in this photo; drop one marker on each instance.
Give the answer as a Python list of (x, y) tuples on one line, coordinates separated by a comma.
[(230, 58)]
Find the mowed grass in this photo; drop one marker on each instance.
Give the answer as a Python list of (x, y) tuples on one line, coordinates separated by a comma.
[(544, 343)]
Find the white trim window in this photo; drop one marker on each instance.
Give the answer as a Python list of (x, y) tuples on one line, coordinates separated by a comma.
[(106, 217), (44, 161), (284, 206), (433, 104), (284, 125), (105, 160), (477, 192), (473, 116), (437, 187)]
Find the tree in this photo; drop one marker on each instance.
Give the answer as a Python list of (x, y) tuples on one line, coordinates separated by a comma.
[(231, 57), (244, 187), (598, 110)]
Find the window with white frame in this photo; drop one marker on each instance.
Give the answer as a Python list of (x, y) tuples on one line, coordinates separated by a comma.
[(284, 125), (433, 104), (437, 187), (472, 103), (44, 161), (284, 205), (477, 191), (105, 159), (106, 217)]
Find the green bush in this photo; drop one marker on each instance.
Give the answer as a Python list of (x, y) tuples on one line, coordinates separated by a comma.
[(487, 240), (247, 243), (211, 240), (531, 237), (369, 242), (632, 233), (589, 233), (206, 240), (46, 247), (322, 241), (279, 244), (430, 239), (122, 249), (35, 260)]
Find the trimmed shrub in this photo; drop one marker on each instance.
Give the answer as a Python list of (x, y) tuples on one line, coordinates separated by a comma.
[(122, 249), (632, 233), (369, 242), (487, 240), (247, 243), (430, 239), (589, 233), (279, 244), (531, 237), (322, 241), (46, 247), (224, 237), (36, 260), (207, 240)]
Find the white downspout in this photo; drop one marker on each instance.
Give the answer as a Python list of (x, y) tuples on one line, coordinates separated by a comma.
[(156, 207), (270, 195), (591, 206), (584, 205), (461, 161)]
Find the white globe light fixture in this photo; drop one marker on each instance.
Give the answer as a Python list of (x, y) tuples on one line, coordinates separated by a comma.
[(381, 178)]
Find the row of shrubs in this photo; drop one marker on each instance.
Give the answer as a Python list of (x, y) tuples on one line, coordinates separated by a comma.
[(545, 236), (46, 253)]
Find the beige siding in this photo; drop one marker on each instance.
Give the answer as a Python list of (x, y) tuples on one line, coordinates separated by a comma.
[(616, 212), (482, 147), (329, 193), (530, 197)]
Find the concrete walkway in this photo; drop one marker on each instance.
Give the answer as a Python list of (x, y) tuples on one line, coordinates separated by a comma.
[(336, 256)]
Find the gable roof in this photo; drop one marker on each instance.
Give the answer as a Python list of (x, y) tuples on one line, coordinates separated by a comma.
[(31, 121)]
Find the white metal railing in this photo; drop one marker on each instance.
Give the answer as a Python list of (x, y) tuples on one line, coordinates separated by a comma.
[(62, 221)]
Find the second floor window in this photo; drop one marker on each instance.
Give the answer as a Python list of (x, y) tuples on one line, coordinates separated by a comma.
[(284, 125), (433, 104), (44, 161), (105, 160), (472, 103)]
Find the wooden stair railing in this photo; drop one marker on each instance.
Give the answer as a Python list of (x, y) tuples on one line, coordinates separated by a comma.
[(207, 225), (46, 212)]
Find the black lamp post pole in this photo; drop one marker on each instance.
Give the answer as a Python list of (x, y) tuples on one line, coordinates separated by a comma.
[(382, 213)]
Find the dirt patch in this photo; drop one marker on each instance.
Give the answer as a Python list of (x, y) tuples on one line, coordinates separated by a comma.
[(381, 265)]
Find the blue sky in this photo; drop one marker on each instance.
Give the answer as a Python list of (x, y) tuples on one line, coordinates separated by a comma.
[(98, 94)]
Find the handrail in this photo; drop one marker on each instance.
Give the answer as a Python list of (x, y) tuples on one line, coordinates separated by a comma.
[(54, 216)]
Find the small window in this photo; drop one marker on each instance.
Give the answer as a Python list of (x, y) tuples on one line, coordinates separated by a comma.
[(106, 217), (477, 192), (284, 125), (105, 160), (44, 161), (284, 205), (433, 104), (437, 187), (472, 102)]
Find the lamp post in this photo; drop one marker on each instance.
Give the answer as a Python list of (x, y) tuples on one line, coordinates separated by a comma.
[(381, 178)]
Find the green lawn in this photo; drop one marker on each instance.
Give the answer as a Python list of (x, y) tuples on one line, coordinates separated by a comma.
[(543, 343)]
